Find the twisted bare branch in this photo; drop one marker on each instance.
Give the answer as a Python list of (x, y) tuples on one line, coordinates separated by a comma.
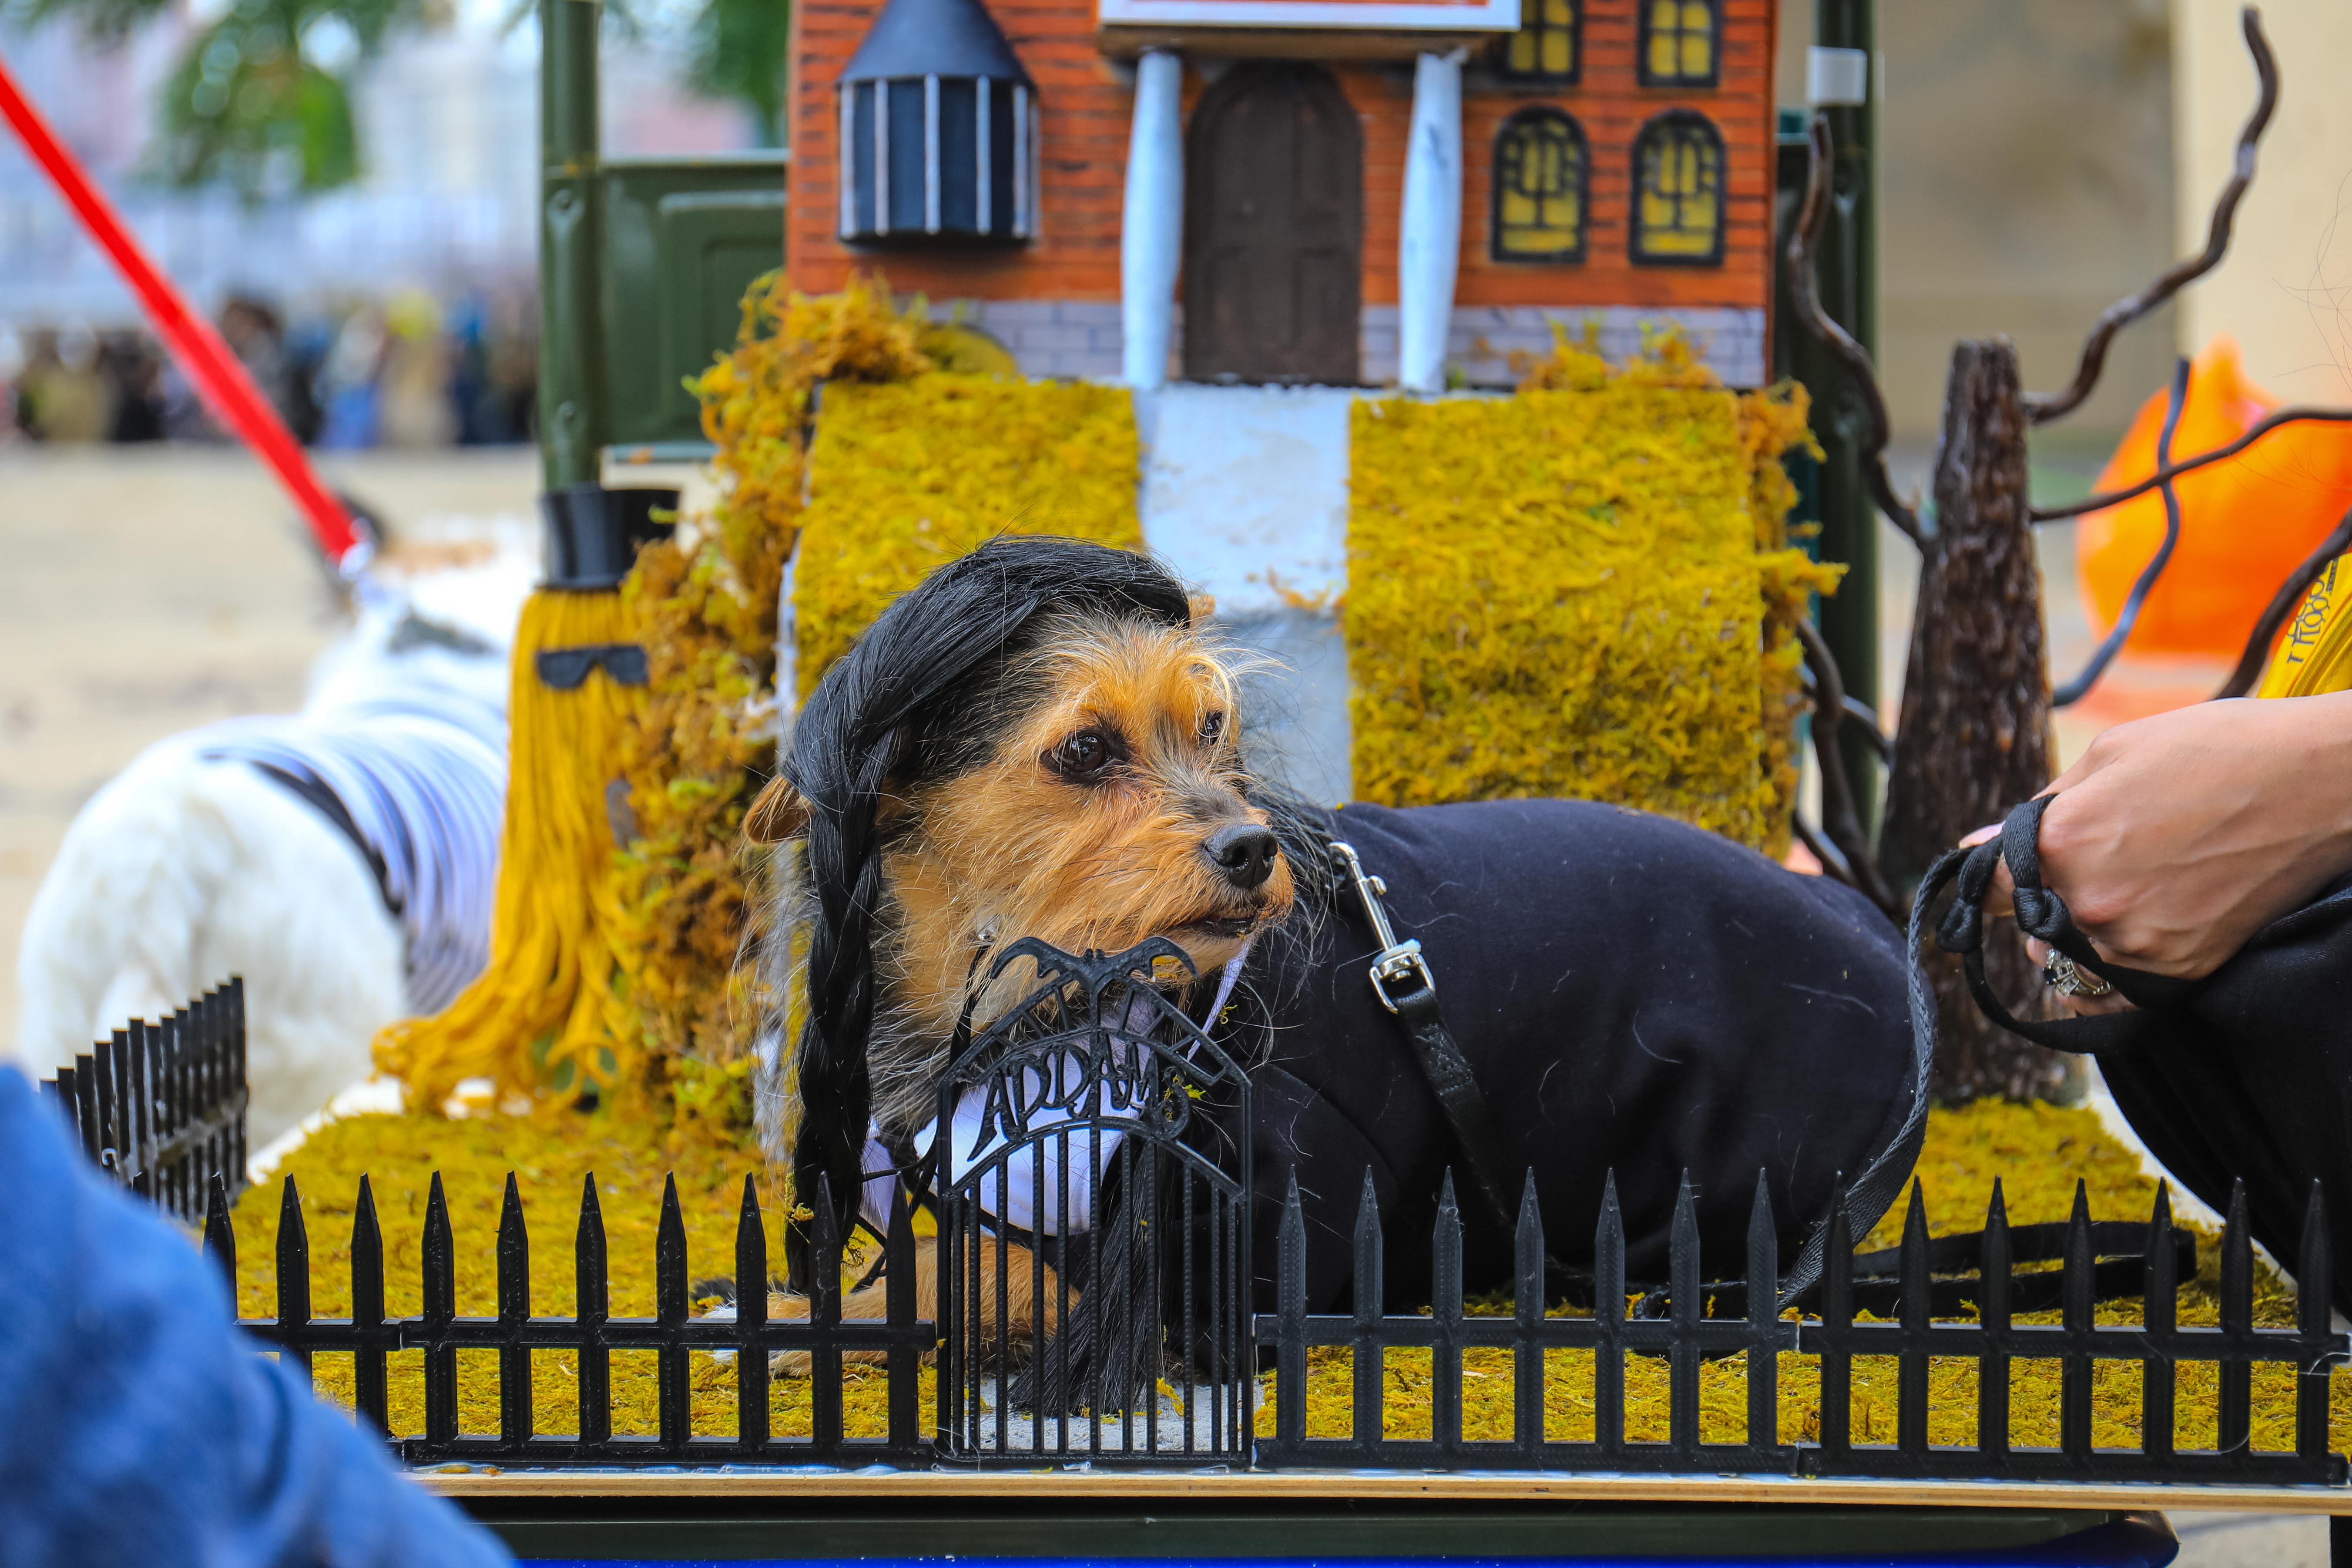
[(2282, 605), (1805, 292), (2040, 408), (1840, 822), (2165, 475)]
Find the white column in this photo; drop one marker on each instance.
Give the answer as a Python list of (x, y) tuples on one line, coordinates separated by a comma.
[(1151, 231), (1429, 241)]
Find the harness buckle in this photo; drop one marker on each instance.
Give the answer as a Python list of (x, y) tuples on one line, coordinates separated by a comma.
[(1396, 960)]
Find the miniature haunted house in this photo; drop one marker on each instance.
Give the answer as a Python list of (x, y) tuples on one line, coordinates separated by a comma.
[(1301, 192)]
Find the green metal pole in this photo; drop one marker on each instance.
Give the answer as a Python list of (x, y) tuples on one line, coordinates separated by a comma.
[(572, 404), (1847, 266)]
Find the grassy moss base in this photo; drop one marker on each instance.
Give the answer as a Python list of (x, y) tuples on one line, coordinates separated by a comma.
[(2039, 1152)]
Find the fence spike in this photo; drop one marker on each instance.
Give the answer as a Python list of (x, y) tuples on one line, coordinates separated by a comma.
[(1370, 1263), (85, 1116), (1994, 1263), (1365, 1355), (516, 1419), (1446, 1317), (112, 1152), (899, 1306), (1681, 1358), (1530, 1299), (1763, 1319), (590, 1307), (750, 1317), (2313, 1287), (440, 1304), (673, 1398), (1530, 1293), (824, 1314), (370, 1389), (1290, 1319), (1682, 1253), (220, 1237), (1913, 1314), (293, 1278), (2235, 1416), (1609, 1321), (1836, 1328), (2075, 1369), (514, 1255), (142, 1108)]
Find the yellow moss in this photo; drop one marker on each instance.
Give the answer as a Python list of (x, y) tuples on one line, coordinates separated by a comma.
[(706, 735), (1582, 590), (904, 479)]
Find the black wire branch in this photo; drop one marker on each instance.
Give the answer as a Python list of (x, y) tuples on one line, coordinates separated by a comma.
[(2040, 408), (1805, 293), (2074, 690), (2165, 475), (1855, 863), (2282, 605)]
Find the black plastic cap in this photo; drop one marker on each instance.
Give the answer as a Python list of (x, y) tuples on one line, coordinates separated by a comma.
[(594, 534)]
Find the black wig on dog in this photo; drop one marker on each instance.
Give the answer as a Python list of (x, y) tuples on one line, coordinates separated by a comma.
[(921, 696)]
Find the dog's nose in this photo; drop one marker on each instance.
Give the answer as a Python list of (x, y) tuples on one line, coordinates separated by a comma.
[(1243, 852)]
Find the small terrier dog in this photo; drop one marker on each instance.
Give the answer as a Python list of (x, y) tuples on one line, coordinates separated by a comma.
[(1041, 739), (1079, 780)]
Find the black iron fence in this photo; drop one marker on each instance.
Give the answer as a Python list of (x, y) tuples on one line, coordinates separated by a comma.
[(1681, 1336), (1093, 1272), (592, 1333), (1838, 1331), (161, 1106)]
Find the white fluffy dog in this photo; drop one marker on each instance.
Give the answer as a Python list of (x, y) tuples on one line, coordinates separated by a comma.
[(341, 859)]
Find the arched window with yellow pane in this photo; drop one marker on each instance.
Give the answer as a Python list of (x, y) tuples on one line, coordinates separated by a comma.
[(1681, 42), (1549, 45), (1677, 217), (1539, 183)]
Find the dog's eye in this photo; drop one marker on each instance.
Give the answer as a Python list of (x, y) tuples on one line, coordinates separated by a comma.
[(1213, 728), (1084, 755)]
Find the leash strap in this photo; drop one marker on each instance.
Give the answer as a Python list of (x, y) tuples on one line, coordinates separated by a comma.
[(2039, 913), (1401, 980)]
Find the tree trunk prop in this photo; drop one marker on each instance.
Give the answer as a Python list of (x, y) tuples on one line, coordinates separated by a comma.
[(1975, 734)]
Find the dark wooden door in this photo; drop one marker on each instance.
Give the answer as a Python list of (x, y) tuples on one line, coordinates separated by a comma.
[(1274, 228)]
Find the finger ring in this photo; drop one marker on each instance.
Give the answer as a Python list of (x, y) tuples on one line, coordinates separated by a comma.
[(2066, 977)]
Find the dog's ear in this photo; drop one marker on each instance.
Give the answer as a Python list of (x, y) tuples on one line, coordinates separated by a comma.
[(780, 813)]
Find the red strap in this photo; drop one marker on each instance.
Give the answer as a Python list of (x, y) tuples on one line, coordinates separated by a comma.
[(218, 375)]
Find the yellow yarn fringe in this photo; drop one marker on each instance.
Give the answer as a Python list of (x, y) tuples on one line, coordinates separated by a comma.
[(548, 1011)]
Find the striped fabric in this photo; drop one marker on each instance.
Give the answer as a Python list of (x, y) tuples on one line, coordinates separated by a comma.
[(412, 769)]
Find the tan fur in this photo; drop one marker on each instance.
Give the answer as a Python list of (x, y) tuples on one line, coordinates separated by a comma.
[(872, 1303), (1014, 849)]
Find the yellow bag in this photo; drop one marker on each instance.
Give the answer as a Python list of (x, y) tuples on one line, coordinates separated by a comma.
[(2315, 654)]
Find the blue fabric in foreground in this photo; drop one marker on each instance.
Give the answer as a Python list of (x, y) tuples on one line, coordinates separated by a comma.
[(138, 1426)]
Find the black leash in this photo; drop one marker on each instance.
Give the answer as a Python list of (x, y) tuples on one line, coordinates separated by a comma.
[(2039, 913)]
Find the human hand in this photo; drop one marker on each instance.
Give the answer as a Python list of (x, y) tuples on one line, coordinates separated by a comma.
[(2176, 838)]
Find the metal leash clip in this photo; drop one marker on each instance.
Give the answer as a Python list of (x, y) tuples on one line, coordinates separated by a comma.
[(1396, 960)]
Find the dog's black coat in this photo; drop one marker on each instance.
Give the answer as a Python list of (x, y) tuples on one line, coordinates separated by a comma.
[(1634, 994)]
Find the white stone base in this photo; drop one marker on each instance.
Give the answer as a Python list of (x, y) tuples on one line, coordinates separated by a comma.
[(1083, 338), (1483, 337)]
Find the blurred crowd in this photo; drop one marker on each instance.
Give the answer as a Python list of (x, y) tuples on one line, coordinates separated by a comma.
[(410, 371)]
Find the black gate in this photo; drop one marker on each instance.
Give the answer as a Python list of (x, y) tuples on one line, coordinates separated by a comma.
[(1094, 1221)]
